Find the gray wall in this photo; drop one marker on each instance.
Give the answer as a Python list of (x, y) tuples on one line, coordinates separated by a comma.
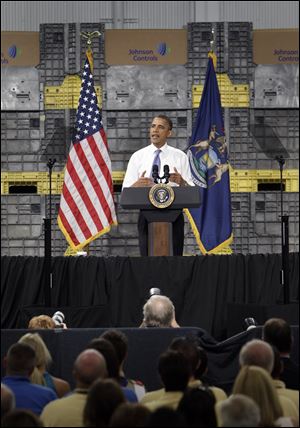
[(28, 15)]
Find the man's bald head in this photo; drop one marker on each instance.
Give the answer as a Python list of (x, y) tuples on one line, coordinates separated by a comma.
[(89, 366), (257, 353), (159, 311)]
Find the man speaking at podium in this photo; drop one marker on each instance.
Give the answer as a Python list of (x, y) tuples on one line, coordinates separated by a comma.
[(156, 156)]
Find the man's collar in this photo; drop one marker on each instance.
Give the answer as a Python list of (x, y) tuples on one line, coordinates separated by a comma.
[(163, 148)]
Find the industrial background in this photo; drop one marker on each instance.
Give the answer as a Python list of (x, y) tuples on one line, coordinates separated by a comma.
[(260, 113)]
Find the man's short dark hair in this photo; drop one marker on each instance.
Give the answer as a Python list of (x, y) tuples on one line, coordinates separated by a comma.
[(119, 342), (189, 349), (109, 353), (167, 119), (277, 332), (20, 359), (174, 370)]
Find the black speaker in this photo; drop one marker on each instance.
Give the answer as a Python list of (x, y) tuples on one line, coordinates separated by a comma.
[(80, 317), (237, 312)]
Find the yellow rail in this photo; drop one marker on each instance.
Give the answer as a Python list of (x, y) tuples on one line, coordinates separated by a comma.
[(231, 95), (241, 180), (66, 95)]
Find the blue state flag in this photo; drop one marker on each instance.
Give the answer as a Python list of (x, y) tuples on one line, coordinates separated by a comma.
[(208, 156)]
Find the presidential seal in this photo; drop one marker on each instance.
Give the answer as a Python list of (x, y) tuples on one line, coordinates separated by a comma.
[(161, 195)]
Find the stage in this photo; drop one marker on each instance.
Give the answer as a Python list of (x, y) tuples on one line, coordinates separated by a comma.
[(110, 292)]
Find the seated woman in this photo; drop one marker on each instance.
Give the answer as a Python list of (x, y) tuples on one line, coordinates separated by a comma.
[(40, 375)]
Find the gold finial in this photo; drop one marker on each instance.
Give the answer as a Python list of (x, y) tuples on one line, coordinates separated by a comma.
[(90, 36)]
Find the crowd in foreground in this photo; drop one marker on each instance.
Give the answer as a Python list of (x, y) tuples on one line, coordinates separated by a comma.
[(265, 391)]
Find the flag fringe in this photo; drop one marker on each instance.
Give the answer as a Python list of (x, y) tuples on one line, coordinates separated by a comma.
[(203, 250), (83, 244)]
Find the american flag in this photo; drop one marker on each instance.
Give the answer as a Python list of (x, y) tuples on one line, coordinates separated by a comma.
[(87, 207)]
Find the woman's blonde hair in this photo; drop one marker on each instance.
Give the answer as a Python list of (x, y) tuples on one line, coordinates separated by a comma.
[(41, 322), (257, 384), (42, 355)]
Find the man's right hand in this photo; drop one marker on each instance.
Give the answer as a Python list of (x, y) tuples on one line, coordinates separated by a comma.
[(143, 181)]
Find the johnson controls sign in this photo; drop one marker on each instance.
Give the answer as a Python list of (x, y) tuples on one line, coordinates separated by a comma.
[(145, 47)]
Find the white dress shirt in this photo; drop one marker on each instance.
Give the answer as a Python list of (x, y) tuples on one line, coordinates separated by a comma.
[(142, 160)]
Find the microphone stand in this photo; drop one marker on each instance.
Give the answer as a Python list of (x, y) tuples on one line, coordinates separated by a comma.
[(48, 250), (284, 273)]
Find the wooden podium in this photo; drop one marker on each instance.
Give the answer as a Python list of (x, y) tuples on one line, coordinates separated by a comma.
[(160, 220)]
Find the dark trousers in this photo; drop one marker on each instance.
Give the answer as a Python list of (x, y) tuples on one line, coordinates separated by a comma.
[(178, 235)]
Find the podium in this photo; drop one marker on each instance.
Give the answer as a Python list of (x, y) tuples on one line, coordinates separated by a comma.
[(160, 220)]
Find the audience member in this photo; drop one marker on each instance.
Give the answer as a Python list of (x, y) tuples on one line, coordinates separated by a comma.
[(130, 415), (103, 399), (278, 333), (120, 343), (41, 322), (109, 353), (21, 418), (194, 355), (40, 376), (8, 402), (89, 366), (259, 353), (159, 311), (198, 407), (175, 372), (257, 384), (20, 363), (292, 394), (238, 411), (188, 347), (165, 417)]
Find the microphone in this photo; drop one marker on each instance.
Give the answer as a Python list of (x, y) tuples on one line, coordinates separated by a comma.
[(154, 292), (166, 173), (155, 173)]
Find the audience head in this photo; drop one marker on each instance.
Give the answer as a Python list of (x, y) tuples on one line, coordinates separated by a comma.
[(89, 366), (20, 360), (159, 311), (8, 402), (41, 322), (257, 384), (109, 353), (130, 415), (257, 353), (119, 342), (277, 332), (166, 417), (42, 354), (189, 349), (198, 407), (239, 411), (174, 371), (103, 398), (21, 418)]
